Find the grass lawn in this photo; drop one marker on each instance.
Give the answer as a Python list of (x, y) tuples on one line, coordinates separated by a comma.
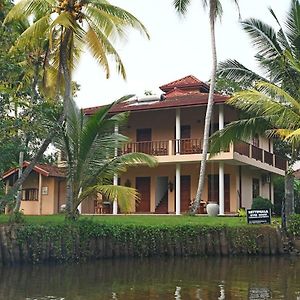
[(140, 220)]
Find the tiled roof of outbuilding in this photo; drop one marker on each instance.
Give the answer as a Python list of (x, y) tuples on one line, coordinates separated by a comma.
[(44, 169)]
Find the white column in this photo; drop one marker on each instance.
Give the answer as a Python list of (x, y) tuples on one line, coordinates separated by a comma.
[(80, 206), (177, 191), (221, 188), (40, 193), (177, 131), (6, 186), (221, 116), (221, 165), (115, 182), (115, 203)]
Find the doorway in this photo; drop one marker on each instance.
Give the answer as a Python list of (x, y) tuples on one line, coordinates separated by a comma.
[(143, 186), (213, 190)]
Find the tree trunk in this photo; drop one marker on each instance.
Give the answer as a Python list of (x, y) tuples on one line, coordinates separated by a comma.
[(209, 110), (289, 194), (19, 195), (29, 168), (64, 55)]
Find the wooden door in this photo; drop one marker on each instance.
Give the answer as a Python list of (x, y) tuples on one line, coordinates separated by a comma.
[(213, 190), (185, 193), (144, 138), (142, 184), (185, 143)]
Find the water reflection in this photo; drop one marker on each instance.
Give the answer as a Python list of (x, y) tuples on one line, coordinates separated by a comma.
[(159, 278)]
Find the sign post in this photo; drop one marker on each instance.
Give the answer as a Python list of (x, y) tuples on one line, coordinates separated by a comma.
[(258, 216)]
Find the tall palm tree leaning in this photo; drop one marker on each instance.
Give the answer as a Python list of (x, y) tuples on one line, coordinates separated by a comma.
[(215, 10), (278, 56), (70, 25)]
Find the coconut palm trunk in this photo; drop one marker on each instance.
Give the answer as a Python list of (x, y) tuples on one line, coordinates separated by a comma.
[(66, 71), (209, 109)]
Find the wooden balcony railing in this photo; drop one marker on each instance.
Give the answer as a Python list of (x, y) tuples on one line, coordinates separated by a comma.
[(156, 148), (194, 146), (260, 155), (257, 153), (280, 163), (242, 148), (268, 158), (187, 146)]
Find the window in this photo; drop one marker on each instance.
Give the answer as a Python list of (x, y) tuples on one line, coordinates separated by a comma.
[(255, 141), (30, 195), (255, 188)]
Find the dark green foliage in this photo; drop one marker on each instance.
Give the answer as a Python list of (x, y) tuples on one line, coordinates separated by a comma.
[(279, 195), (294, 224), (226, 86), (17, 217), (262, 203), (71, 241)]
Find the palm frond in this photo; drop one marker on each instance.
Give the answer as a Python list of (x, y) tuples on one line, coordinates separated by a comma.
[(107, 48), (124, 17), (181, 6), (241, 130), (26, 8), (34, 35), (126, 196), (293, 27), (235, 71), (263, 37), (277, 91), (97, 50)]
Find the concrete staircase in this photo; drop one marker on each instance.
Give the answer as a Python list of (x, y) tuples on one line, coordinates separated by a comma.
[(162, 206)]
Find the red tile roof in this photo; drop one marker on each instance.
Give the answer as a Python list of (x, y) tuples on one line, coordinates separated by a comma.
[(187, 82), (190, 100), (44, 169), (185, 92)]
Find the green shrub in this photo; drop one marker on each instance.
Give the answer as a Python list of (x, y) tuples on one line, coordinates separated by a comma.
[(262, 203), (293, 224)]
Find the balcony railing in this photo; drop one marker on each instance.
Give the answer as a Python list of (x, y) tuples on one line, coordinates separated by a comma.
[(156, 148), (194, 146), (187, 146), (260, 155)]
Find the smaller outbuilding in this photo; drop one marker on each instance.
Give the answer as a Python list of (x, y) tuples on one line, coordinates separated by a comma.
[(44, 190)]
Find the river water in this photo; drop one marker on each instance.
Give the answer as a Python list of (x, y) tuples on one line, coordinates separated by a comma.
[(156, 278)]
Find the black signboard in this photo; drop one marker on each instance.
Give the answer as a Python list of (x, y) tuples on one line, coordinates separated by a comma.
[(258, 216)]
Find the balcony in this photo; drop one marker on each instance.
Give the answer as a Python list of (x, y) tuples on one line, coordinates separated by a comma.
[(261, 155), (194, 146)]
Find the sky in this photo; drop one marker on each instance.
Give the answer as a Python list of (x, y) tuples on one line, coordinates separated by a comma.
[(178, 46)]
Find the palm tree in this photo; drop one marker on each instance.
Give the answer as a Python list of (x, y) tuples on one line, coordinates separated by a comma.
[(278, 56), (68, 26), (276, 51), (270, 111), (215, 10), (90, 144)]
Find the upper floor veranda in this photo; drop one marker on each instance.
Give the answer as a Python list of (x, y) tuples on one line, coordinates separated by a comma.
[(170, 127)]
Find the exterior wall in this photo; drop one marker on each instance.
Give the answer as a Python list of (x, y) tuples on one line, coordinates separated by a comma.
[(264, 187), (232, 171), (87, 206), (31, 207), (189, 116), (186, 169), (51, 202), (48, 202), (59, 194)]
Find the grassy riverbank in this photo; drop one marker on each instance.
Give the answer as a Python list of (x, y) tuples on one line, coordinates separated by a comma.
[(139, 220), (50, 238)]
